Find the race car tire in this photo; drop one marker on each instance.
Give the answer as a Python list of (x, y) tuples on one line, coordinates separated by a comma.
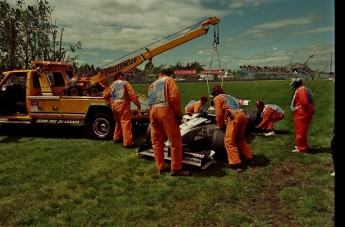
[(148, 134), (217, 145), (254, 117)]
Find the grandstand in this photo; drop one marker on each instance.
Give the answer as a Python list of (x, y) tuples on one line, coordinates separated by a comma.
[(250, 72)]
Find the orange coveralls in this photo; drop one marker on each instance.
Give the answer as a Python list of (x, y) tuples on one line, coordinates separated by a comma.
[(302, 105), (121, 107), (234, 139), (194, 107), (270, 114), (164, 112)]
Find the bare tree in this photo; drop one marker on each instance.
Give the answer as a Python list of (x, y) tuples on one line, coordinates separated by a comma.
[(28, 33)]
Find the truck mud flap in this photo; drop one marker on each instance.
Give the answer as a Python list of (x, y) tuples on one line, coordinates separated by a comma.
[(202, 159)]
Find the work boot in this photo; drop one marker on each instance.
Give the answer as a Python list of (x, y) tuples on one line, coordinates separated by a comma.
[(271, 133), (296, 150), (132, 146), (180, 172), (161, 171), (238, 167)]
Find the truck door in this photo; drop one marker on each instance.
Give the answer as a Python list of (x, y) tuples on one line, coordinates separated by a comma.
[(13, 94)]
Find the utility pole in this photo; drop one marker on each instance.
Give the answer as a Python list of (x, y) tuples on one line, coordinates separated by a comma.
[(311, 56), (331, 61)]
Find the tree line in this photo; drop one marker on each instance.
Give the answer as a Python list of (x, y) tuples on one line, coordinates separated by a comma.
[(29, 33)]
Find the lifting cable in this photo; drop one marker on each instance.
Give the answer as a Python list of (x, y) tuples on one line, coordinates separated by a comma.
[(215, 50)]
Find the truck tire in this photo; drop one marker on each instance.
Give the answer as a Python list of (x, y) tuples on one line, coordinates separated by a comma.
[(94, 90), (74, 91), (101, 126), (217, 145)]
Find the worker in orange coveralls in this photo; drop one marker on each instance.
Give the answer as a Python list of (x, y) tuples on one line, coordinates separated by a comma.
[(270, 113), (302, 105), (121, 94), (196, 106), (165, 117), (233, 119)]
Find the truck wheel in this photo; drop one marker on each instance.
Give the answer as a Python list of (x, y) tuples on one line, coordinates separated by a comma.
[(101, 126), (217, 145), (74, 91), (94, 90)]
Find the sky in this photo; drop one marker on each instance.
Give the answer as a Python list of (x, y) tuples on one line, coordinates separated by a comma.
[(251, 32)]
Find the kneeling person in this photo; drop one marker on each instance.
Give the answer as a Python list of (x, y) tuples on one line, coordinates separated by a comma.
[(270, 113)]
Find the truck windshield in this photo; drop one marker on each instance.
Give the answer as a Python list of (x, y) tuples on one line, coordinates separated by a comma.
[(16, 78)]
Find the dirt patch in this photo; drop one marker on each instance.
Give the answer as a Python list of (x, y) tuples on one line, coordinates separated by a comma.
[(287, 175)]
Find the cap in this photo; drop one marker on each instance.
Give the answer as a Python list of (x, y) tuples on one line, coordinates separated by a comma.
[(204, 98), (216, 89), (259, 103), (166, 69), (295, 81)]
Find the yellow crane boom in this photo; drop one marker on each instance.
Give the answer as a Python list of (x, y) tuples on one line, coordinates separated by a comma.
[(132, 63)]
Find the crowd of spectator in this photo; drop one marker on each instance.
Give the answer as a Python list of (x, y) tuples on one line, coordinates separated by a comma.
[(253, 69), (300, 68), (246, 71)]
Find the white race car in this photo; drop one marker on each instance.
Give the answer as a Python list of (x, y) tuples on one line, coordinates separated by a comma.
[(202, 143)]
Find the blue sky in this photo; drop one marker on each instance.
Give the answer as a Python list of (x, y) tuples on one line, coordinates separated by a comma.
[(252, 32)]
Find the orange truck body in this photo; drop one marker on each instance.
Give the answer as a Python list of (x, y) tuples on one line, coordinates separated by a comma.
[(37, 97)]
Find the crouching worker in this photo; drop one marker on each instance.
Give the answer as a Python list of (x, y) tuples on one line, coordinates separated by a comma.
[(270, 113), (196, 107), (233, 119)]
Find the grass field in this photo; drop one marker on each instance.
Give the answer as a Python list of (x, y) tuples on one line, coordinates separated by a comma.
[(51, 176)]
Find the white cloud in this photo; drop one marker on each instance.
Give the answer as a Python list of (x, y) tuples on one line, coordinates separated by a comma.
[(109, 29)]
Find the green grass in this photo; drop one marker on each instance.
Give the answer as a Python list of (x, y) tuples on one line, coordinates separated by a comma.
[(52, 176)]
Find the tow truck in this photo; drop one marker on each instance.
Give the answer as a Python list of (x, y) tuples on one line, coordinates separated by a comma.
[(38, 95)]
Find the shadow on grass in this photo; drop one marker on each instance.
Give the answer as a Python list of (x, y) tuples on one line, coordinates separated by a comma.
[(217, 169), (220, 168), (257, 161), (282, 132), (13, 133), (320, 150)]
